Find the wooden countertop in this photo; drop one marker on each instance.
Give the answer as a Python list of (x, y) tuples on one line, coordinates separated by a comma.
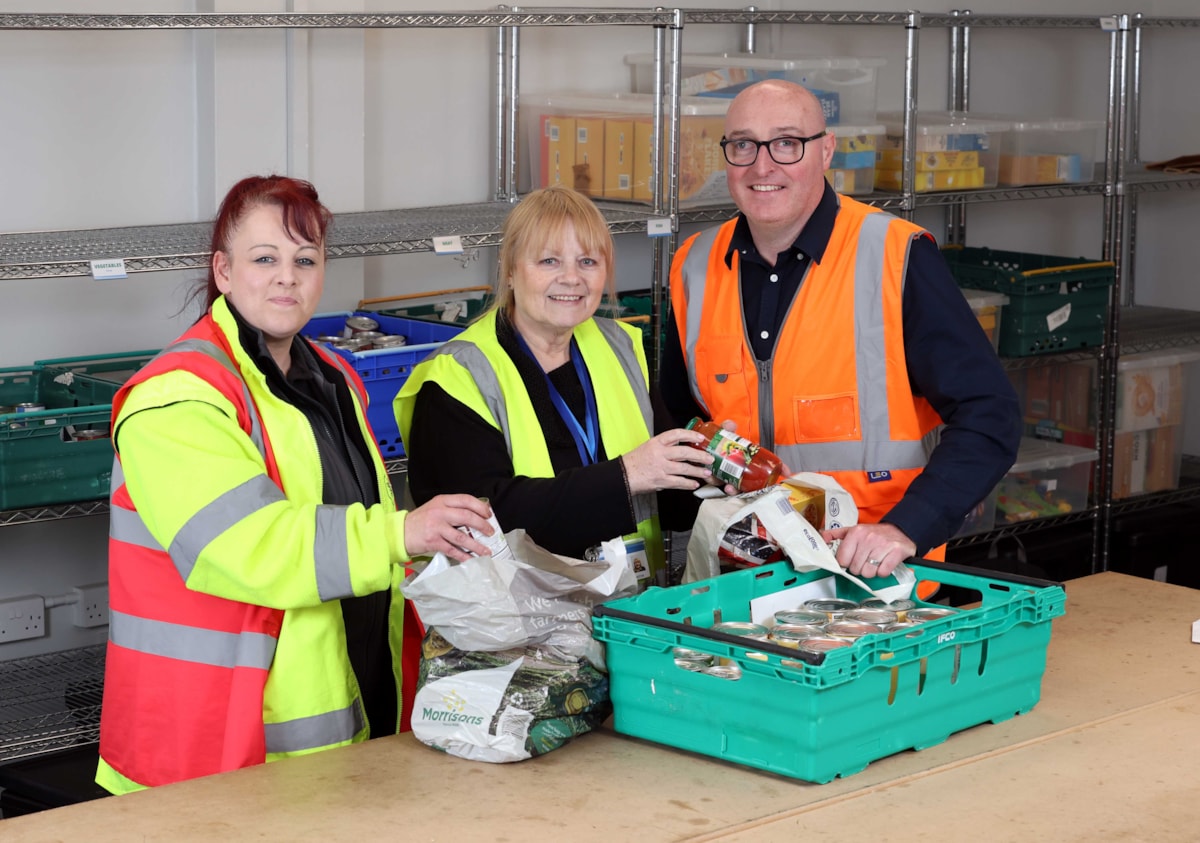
[(1109, 749)]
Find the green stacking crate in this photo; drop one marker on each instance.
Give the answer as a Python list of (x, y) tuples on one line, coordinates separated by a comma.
[(817, 717), (1056, 304), (62, 453)]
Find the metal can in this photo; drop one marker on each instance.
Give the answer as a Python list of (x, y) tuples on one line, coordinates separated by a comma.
[(391, 341), (692, 659), (351, 344), (897, 606), (850, 629), (900, 626), (742, 629), (833, 607), (361, 324), (28, 407), (90, 434), (496, 544), (921, 614), (878, 617), (724, 671), (800, 617), (823, 644), (791, 636), (330, 338)]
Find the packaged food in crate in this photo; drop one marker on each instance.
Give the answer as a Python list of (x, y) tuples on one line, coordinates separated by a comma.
[(383, 361), (818, 715), (1055, 304)]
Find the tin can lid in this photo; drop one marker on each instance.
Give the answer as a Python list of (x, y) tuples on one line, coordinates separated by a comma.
[(824, 644), (740, 628), (878, 617), (830, 604), (895, 605), (361, 323), (850, 629), (724, 671), (800, 617)]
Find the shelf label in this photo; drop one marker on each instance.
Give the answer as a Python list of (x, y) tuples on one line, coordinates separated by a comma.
[(1055, 319), (1108, 23), (451, 244), (102, 270), (660, 227)]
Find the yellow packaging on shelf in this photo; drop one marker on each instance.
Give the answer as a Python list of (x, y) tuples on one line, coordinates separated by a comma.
[(618, 158), (589, 155), (558, 140), (855, 142), (1039, 169), (929, 162), (700, 155), (941, 180)]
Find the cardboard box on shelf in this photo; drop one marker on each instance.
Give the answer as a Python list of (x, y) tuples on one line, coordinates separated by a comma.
[(558, 145), (589, 155), (618, 158), (1150, 388), (1146, 461)]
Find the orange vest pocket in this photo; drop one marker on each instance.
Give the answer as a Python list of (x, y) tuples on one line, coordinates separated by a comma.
[(728, 389), (826, 418)]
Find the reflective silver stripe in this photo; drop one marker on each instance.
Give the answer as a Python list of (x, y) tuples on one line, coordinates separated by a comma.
[(695, 272), (470, 357), (191, 644), (218, 354), (851, 456), (644, 505), (316, 731), (127, 526), (331, 554), (222, 514), (622, 346)]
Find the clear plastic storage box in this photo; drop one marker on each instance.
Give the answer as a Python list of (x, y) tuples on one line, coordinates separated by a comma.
[(954, 151), (1047, 479), (988, 307), (603, 145), (1050, 152), (852, 170), (845, 86)]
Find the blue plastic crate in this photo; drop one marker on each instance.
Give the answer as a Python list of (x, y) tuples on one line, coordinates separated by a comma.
[(817, 717), (384, 370)]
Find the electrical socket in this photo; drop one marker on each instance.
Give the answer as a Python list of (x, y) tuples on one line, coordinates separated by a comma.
[(91, 609), (22, 618)]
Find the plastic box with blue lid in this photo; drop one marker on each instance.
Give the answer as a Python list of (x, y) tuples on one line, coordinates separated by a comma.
[(612, 145), (1050, 151), (1048, 479), (852, 170), (846, 87), (953, 151)]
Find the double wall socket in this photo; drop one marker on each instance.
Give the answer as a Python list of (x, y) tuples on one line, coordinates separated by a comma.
[(22, 618)]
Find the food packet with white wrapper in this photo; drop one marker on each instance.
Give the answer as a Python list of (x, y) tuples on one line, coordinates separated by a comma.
[(800, 540)]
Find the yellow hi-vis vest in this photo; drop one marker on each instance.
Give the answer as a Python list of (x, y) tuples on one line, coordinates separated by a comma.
[(226, 643), (475, 370), (835, 397)]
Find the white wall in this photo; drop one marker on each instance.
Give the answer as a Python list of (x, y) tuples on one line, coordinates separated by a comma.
[(102, 129)]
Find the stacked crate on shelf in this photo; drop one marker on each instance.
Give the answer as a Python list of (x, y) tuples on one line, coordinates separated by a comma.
[(953, 151), (56, 448), (1056, 304)]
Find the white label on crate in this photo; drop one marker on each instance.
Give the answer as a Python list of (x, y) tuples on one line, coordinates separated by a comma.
[(102, 270), (1057, 318), (451, 244), (660, 227), (1108, 23)]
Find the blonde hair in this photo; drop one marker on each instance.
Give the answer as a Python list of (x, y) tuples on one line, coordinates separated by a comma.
[(539, 219)]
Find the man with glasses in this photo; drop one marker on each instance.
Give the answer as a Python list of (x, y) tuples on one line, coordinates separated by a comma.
[(834, 334)]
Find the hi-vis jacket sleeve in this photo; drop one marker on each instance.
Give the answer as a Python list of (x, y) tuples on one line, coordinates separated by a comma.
[(202, 490)]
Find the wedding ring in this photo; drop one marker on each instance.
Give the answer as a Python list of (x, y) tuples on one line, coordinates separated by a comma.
[(874, 563)]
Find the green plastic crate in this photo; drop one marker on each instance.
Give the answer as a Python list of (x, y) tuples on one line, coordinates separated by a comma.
[(43, 457), (46, 456), (820, 717), (1056, 304)]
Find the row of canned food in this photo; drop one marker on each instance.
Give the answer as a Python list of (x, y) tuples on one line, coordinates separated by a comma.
[(820, 625)]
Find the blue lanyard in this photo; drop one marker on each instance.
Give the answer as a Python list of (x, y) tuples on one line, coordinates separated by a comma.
[(586, 440)]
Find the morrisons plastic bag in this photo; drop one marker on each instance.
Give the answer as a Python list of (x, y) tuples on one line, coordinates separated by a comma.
[(509, 668)]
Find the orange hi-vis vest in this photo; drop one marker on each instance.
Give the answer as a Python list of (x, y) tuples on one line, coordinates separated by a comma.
[(835, 395), (187, 671)]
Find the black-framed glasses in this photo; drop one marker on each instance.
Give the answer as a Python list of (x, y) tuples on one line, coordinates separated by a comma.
[(742, 152)]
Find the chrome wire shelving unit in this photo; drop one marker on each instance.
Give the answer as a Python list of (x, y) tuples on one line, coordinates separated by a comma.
[(50, 702)]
